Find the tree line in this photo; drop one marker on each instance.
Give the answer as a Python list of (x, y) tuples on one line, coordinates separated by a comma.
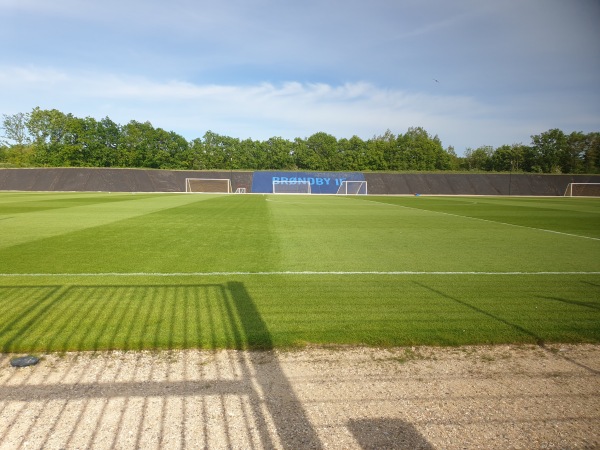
[(50, 138)]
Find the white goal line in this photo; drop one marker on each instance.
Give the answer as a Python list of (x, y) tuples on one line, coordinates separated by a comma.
[(307, 272)]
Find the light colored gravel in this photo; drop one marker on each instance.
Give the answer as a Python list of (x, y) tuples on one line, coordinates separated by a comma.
[(470, 397)]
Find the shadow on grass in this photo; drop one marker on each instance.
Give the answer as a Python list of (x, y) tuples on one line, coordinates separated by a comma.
[(136, 317), (591, 284), (592, 305), (130, 317), (25, 314), (539, 340)]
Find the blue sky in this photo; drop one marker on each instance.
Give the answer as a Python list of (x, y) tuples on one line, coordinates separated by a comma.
[(473, 72)]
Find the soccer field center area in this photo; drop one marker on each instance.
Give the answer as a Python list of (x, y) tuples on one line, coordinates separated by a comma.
[(100, 271)]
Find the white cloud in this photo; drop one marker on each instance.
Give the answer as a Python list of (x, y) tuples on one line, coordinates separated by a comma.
[(258, 68), (290, 109)]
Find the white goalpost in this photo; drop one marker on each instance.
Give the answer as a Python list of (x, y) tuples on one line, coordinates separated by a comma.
[(352, 188), (208, 185), (583, 190), (291, 187)]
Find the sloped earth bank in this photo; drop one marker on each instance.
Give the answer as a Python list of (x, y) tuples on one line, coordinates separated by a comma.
[(468, 397)]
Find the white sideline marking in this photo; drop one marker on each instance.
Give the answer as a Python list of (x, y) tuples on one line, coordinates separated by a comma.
[(207, 274), (486, 220)]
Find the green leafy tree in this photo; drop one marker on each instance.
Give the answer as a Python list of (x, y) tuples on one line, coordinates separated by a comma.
[(353, 154), (4, 152), (453, 159), (196, 156), (248, 154), (78, 141), (277, 154), (507, 158), (15, 148), (52, 138), (135, 145), (419, 151), (168, 150), (374, 156), (304, 157), (323, 149), (106, 148), (479, 159), (15, 129), (575, 157), (50, 131), (142, 145), (591, 155), (548, 150), (382, 151), (220, 150)]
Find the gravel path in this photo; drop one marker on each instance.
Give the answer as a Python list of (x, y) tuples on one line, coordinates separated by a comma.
[(469, 397)]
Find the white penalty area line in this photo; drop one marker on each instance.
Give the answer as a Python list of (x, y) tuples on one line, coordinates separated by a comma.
[(220, 274)]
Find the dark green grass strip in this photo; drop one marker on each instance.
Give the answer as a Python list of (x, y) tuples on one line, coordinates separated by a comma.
[(46, 202), (214, 234), (269, 233), (580, 216), (100, 313), (255, 234)]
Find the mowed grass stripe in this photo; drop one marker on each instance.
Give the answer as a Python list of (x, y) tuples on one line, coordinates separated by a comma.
[(209, 234), (571, 217), (97, 317), (33, 217), (266, 271), (290, 311), (351, 234), (219, 274), (258, 234), (510, 224)]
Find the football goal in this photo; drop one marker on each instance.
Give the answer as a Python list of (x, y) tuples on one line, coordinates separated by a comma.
[(291, 187), (583, 190), (206, 185), (352, 188)]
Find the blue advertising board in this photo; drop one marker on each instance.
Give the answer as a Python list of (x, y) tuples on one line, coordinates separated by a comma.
[(320, 182)]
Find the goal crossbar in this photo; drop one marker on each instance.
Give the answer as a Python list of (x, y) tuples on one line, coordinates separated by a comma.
[(208, 185)]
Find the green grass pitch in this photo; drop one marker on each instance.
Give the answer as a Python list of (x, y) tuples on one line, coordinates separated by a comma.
[(95, 271)]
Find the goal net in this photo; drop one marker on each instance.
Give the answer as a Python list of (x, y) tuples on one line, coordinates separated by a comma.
[(291, 187), (583, 190), (205, 185), (352, 188)]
